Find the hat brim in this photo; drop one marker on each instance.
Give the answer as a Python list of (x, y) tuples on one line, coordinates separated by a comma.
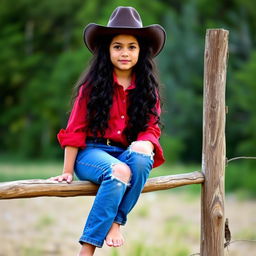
[(154, 34)]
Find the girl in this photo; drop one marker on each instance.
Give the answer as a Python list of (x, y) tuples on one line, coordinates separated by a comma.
[(112, 135)]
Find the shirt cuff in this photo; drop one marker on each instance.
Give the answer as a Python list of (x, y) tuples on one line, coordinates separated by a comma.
[(73, 139)]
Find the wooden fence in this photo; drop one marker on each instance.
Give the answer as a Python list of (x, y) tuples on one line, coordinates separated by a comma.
[(213, 156)]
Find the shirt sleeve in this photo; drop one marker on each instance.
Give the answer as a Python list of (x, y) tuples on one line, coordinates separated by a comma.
[(75, 133), (152, 134)]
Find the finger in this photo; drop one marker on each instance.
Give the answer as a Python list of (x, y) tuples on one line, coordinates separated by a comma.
[(69, 179), (60, 178)]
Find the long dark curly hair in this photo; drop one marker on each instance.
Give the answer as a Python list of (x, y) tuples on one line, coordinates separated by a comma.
[(142, 100)]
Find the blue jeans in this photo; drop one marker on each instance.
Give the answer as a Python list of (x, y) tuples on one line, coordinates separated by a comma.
[(115, 198)]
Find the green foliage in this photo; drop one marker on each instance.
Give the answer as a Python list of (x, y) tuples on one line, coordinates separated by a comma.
[(245, 95), (172, 148), (42, 55), (182, 76)]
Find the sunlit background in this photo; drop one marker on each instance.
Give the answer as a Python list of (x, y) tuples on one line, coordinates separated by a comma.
[(42, 54)]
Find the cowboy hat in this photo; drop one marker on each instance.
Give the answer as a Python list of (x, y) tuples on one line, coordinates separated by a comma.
[(125, 20)]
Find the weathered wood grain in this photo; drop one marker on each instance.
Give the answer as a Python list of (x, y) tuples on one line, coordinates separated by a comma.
[(214, 148), (37, 188)]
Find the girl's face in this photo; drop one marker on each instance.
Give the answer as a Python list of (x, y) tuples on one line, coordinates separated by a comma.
[(124, 52)]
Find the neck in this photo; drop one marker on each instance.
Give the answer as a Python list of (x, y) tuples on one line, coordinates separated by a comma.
[(123, 74), (124, 77)]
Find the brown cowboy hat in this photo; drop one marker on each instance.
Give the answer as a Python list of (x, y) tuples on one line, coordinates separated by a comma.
[(125, 20)]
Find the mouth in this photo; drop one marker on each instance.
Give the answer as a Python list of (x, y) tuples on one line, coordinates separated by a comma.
[(124, 61)]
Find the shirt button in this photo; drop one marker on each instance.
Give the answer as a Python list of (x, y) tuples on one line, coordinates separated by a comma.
[(122, 116), (118, 132)]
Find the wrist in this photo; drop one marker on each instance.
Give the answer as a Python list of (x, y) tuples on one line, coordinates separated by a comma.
[(68, 171)]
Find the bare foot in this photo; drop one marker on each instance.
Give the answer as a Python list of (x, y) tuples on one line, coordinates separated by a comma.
[(114, 237), (87, 250)]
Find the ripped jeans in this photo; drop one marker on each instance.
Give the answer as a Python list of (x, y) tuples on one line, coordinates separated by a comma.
[(115, 198)]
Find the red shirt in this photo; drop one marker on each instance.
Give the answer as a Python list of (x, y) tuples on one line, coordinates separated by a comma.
[(75, 133)]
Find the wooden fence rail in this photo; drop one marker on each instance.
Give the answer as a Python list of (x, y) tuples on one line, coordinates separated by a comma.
[(37, 188)]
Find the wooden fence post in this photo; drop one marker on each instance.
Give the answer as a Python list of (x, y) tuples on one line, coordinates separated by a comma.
[(214, 145)]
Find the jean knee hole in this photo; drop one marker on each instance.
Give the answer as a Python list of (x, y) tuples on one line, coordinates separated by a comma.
[(114, 176), (147, 155)]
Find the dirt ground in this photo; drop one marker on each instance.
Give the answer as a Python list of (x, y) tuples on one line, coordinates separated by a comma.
[(52, 226)]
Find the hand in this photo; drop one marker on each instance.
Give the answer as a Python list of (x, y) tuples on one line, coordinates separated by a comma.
[(64, 177)]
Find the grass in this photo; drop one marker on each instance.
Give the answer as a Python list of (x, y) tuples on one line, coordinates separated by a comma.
[(140, 249), (28, 170), (44, 222), (31, 251)]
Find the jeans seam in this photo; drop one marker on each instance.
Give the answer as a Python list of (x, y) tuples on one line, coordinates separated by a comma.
[(119, 221), (86, 239), (91, 165)]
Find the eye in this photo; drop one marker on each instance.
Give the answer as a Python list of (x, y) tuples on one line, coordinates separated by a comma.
[(132, 47), (117, 47)]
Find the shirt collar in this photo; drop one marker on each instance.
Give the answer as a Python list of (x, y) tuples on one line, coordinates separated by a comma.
[(131, 86)]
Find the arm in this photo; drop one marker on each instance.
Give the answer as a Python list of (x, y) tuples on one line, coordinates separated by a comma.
[(68, 167), (73, 137), (75, 133)]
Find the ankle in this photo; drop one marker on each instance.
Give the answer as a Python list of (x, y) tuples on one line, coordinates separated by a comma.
[(87, 250), (116, 225)]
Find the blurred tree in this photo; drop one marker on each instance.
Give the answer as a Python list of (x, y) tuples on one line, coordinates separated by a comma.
[(31, 43), (181, 65), (42, 55), (245, 95)]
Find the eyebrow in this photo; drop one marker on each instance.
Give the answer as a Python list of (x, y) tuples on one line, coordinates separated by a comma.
[(122, 43)]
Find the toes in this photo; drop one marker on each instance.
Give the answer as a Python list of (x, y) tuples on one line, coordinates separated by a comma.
[(109, 242), (114, 242), (118, 243)]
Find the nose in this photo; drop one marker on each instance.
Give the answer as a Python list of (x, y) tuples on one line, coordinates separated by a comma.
[(125, 52)]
